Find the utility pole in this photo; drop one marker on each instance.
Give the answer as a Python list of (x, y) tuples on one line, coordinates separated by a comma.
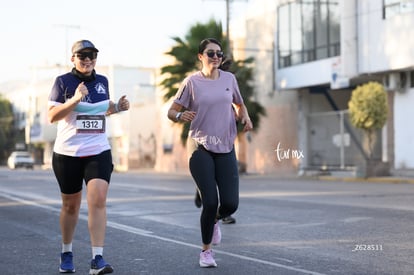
[(67, 27), (228, 7), (228, 28)]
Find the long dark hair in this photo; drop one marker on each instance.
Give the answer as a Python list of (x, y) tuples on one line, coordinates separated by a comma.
[(205, 42)]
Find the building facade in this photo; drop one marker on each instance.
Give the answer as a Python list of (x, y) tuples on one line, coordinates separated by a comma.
[(324, 50)]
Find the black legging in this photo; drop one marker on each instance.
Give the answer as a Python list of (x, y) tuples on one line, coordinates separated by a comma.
[(212, 171)]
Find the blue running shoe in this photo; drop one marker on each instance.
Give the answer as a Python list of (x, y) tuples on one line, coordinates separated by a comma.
[(99, 266), (66, 263)]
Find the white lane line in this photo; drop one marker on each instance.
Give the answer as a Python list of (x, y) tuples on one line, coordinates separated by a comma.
[(141, 232), (216, 251)]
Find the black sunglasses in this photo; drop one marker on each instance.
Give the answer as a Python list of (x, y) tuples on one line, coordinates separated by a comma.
[(84, 55), (211, 54)]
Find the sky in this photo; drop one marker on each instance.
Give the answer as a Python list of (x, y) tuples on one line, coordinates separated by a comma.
[(37, 33)]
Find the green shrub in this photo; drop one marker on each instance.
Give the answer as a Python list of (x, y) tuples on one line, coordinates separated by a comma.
[(368, 106), (368, 110)]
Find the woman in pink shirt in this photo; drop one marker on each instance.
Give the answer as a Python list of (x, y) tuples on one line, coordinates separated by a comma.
[(206, 99)]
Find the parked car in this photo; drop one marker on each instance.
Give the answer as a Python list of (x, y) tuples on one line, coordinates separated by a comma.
[(20, 159)]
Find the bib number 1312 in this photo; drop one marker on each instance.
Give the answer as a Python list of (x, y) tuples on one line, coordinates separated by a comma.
[(90, 124)]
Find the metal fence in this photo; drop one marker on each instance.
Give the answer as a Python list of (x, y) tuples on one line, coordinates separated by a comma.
[(333, 143)]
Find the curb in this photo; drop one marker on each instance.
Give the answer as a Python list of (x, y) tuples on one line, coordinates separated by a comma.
[(372, 179)]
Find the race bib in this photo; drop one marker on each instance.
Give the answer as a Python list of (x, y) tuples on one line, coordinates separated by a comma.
[(87, 124)]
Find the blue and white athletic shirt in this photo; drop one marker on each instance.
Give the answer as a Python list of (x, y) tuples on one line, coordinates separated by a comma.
[(70, 140)]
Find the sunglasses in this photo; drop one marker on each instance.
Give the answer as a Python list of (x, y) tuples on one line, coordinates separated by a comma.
[(211, 54), (83, 55)]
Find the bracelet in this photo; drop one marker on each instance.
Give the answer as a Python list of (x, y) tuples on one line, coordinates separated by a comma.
[(116, 108)]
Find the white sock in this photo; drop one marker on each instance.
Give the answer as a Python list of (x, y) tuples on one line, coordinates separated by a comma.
[(66, 247), (97, 250)]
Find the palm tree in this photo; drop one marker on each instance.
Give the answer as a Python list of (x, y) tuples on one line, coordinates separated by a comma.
[(243, 71), (185, 55)]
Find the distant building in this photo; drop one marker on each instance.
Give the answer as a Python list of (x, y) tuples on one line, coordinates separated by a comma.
[(132, 133)]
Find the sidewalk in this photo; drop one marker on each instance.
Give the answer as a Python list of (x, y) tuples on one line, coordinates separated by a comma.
[(388, 179), (345, 178)]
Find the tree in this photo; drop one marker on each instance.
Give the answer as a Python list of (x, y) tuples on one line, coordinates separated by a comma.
[(368, 110), (243, 71), (184, 54), (6, 128)]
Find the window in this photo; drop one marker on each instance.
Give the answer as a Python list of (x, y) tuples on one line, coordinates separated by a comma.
[(308, 30), (284, 40), (395, 7)]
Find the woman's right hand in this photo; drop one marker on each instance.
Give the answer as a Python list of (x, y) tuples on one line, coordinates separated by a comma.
[(56, 113), (81, 92)]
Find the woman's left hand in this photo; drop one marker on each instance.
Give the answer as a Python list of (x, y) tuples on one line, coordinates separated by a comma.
[(248, 125), (123, 103)]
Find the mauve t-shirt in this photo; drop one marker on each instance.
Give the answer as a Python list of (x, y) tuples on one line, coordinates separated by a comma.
[(214, 125)]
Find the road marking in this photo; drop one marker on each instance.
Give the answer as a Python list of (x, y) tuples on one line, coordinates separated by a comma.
[(216, 251), (355, 219), (45, 203)]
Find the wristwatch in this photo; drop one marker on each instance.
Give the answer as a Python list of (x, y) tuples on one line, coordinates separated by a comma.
[(178, 115)]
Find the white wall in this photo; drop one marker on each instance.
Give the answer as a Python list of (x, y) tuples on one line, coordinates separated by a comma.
[(404, 132), (384, 44), (349, 39), (305, 75)]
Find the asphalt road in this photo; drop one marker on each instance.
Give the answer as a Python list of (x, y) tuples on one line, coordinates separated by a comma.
[(284, 226)]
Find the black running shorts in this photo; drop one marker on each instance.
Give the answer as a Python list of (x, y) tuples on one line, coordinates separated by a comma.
[(70, 171)]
